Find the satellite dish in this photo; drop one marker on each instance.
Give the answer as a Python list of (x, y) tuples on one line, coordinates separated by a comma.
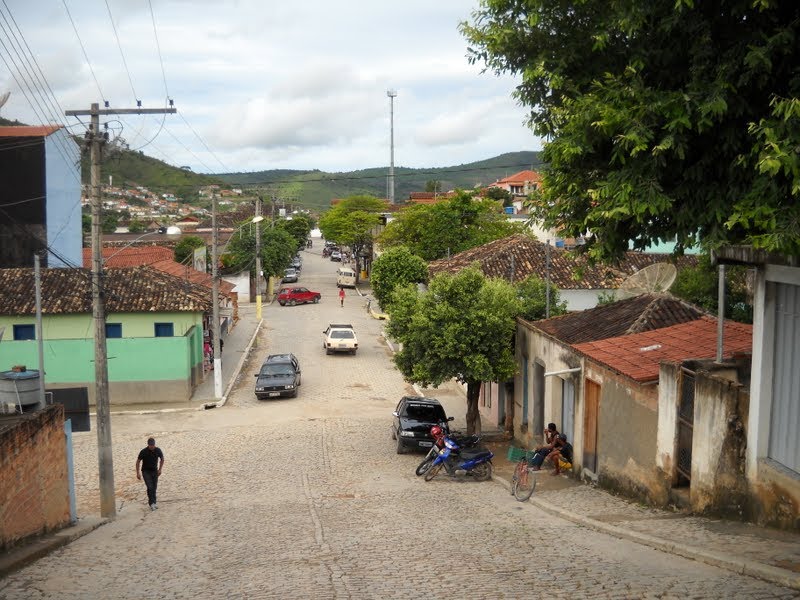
[(4, 98), (654, 278)]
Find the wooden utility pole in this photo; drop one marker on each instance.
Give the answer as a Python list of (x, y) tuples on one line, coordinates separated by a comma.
[(105, 457), (215, 298), (257, 221)]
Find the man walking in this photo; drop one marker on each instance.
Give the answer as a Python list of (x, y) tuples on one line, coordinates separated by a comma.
[(341, 296), (151, 460)]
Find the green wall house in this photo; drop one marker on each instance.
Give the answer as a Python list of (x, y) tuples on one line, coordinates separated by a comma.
[(154, 331)]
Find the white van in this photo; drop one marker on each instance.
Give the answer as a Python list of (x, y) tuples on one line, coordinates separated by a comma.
[(345, 277)]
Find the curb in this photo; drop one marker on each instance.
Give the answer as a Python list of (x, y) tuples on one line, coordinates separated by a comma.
[(768, 573), (16, 558), (236, 371)]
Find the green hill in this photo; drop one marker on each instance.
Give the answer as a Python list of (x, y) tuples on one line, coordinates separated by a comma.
[(315, 189)]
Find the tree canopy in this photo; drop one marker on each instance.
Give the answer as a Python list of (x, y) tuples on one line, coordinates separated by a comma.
[(278, 247), (184, 249), (665, 119), (434, 231), (395, 267), (462, 327), (352, 222), (532, 293), (299, 227)]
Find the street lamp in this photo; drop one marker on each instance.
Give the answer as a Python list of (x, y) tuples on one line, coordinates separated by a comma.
[(392, 95)]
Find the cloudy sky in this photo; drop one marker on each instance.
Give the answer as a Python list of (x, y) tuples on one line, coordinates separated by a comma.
[(264, 84)]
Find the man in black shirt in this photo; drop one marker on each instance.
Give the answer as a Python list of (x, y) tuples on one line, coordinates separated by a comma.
[(151, 460)]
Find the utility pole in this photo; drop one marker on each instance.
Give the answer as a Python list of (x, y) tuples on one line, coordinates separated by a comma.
[(215, 300), (105, 457), (392, 95), (39, 329), (257, 221)]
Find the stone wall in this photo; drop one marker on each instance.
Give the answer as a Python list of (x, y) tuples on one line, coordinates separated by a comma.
[(34, 487)]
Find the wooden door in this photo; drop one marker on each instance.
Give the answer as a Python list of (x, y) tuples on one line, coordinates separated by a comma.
[(590, 418)]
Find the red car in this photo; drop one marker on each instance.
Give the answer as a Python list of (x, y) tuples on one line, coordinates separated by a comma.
[(297, 295)]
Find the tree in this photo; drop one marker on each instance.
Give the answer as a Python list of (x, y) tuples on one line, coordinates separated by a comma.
[(700, 285), (462, 327), (532, 292), (666, 120), (438, 230), (184, 249), (351, 223), (298, 227), (277, 249), (395, 267), (433, 185), (498, 193), (136, 226)]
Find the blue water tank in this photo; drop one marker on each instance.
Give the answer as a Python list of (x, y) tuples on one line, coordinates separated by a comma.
[(509, 210), (559, 243)]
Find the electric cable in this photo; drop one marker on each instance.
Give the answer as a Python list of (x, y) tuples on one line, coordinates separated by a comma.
[(121, 53)]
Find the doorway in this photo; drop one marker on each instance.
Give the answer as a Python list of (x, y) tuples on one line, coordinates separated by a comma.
[(568, 409), (591, 414), (538, 398)]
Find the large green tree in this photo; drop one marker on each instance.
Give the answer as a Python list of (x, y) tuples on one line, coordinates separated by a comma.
[(532, 292), (352, 222), (278, 247), (664, 119), (434, 231), (395, 267), (185, 248), (299, 227), (462, 328)]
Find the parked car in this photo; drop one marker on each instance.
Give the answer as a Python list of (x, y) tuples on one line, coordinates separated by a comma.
[(345, 277), (297, 295), (297, 263), (413, 418), (336, 256), (340, 337), (289, 275), (279, 376)]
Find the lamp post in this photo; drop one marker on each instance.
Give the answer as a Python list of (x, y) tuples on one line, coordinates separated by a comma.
[(257, 220), (392, 95)]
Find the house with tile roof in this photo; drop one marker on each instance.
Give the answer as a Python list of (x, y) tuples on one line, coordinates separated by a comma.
[(520, 184), (518, 256), (612, 377), (154, 330), (41, 187), (771, 422)]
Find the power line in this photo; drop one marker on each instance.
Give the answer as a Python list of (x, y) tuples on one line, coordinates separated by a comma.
[(85, 55), (158, 47), (121, 53), (202, 141)]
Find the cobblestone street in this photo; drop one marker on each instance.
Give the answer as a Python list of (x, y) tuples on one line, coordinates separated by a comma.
[(306, 498)]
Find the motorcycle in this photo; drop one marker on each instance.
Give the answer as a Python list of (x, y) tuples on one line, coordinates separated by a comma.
[(457, 462), (438, 434)]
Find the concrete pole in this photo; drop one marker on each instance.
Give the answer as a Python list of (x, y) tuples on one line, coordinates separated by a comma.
[(215, 300), (547, 281), (392, 95), (720, 312), (105, 455), (258, 257), (39, 337)]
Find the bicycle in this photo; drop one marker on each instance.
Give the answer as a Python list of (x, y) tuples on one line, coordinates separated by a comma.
[(523, 481)]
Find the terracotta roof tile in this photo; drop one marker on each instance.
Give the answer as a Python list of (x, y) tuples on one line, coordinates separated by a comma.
[(638, 355), (133, 256), (127, 290), (522, 255), (633, 315), (28, 130), (521, 177)]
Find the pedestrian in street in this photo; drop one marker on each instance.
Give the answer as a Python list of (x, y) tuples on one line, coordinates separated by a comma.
[(341, 296), (151, 460)]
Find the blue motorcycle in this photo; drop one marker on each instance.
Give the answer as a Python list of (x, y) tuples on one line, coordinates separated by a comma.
[(461, 462)]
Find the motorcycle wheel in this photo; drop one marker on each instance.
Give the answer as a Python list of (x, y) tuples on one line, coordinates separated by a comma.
[(433, 472), (424, 466), (482, 472)]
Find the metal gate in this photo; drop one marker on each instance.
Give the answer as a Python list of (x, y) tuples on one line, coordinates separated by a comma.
[(685, 428)]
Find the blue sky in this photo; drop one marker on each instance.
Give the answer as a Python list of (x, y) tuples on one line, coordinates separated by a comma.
[(266, 84)]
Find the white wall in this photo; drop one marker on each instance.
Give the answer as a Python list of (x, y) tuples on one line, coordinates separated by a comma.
[(581, 299)]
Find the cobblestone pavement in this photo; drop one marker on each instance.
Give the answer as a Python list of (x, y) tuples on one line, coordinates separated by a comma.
[(306, 498)]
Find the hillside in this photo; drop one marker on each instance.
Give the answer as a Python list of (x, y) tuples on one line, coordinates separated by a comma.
[(315, 189)]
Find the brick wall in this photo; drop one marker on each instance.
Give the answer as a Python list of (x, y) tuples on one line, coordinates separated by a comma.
[(34, 490)]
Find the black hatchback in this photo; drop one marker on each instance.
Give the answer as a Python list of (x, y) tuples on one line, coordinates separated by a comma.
[(413, 419), (279, 376)]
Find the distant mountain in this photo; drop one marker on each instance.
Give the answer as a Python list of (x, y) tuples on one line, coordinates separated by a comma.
[(315, 189), (312, 189)]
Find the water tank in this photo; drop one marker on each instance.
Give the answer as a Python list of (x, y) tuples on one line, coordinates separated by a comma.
[(509, 210), (559, 243), (19, 387)]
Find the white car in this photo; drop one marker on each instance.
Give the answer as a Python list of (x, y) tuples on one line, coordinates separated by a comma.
[(340, 337)]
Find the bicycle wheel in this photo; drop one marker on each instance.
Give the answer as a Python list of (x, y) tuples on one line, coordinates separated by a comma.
[(525, 483), (521, 466), (433, 472)]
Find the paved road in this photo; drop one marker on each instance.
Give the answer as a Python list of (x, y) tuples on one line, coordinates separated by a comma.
[(306, 498)]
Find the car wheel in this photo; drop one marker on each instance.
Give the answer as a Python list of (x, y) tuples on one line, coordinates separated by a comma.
[(327, 350), (353, 351), (316, 299), (292, 302), (400, 448), (281, 303)]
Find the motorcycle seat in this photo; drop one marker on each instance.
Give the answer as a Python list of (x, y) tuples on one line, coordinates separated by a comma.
[(471, 453)]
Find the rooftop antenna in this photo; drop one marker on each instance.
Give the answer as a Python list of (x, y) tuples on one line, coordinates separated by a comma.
[(652, 279)]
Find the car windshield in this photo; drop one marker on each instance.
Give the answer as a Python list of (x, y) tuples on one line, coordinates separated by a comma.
[(342, 334), (276, 371), (425, 412)]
